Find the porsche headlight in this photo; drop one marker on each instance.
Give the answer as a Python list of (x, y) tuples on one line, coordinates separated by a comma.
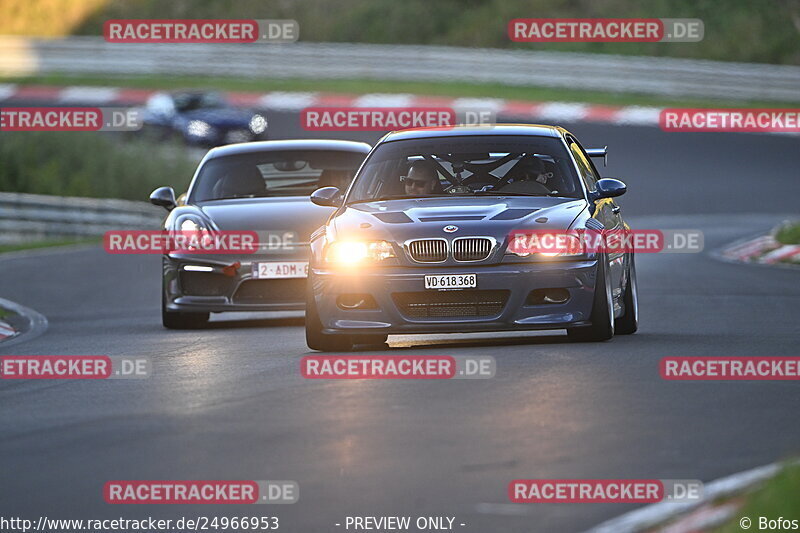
[(355, 252), (258, 124), (190, 224)]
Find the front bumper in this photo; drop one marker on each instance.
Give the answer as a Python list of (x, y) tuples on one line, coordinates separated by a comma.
[(507, 285), (216, 292)]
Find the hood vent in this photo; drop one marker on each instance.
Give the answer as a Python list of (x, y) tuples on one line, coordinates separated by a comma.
[(450, 218), (396, 217), (513, 214)]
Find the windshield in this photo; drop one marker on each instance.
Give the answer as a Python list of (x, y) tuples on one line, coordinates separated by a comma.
[(274, 173), (191, 101), (500, 165)]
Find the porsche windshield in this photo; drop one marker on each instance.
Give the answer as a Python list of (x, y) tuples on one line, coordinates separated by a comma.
[(275, 173), (470, 165)]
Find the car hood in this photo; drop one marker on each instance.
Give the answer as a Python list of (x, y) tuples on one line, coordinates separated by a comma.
[(400, 220), (220, 117), (267, 215)]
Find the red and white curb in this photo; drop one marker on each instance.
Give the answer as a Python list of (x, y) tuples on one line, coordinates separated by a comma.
[(30, 324), (546, 112), (6, 330), (764, 250), (295, 101), (690, 517)]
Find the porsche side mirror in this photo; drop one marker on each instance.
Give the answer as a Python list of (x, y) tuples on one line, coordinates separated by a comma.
[(609, 188), (327, 197), (164, 197)]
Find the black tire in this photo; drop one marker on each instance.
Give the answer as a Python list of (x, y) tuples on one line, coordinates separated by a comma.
[(602, 318), (181, 320), (628, 323), (315, 338)]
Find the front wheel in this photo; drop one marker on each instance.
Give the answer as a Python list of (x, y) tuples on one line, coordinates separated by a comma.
[(315, 338), (628, 323), (602, 317), (181, 320)]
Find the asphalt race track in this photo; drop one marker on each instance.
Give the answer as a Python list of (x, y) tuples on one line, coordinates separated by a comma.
[(229, 402)]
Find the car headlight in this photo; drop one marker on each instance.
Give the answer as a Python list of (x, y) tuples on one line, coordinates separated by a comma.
[(547, 244), (189, 228), (198, 128), (258, 124), (190, 224), (354, 252)]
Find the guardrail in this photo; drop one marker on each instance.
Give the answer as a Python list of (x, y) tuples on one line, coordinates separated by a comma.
[(32, 217), (624, 74)]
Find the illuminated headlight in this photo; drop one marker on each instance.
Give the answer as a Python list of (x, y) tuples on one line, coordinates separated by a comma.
[(198, 128), (556, 244), (258, 124), (353, 252), (191, 232), (190, 224)]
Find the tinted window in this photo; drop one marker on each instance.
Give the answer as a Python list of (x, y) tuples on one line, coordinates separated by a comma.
[(470, 165), (191, 101), (278, 173)]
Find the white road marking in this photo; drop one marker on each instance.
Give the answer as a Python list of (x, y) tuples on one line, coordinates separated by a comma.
[(286, 101), (384, 100), (95, 95), (563, 111)]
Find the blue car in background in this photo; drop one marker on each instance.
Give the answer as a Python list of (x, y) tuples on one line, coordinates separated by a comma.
[(201, 118)]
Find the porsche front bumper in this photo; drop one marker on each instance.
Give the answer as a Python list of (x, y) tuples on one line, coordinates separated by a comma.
[(223, 290)]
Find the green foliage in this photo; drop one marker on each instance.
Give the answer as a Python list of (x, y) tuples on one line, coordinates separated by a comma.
[(778, 497), (89, 164), (789, 233), (735, 30)]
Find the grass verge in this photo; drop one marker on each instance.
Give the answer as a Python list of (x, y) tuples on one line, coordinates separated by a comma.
[(776, 498), (449, 89), (789, 233), (90, 164), (16, 247), (735, 30)]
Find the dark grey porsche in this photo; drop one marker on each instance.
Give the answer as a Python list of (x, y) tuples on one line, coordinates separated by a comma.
[(259, 187), (419, 243)]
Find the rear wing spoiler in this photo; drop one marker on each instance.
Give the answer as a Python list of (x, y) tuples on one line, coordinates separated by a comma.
[(599, 152)]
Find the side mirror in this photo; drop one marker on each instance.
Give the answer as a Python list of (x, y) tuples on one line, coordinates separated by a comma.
[(609, 188), (327, 197), (164, 197)]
